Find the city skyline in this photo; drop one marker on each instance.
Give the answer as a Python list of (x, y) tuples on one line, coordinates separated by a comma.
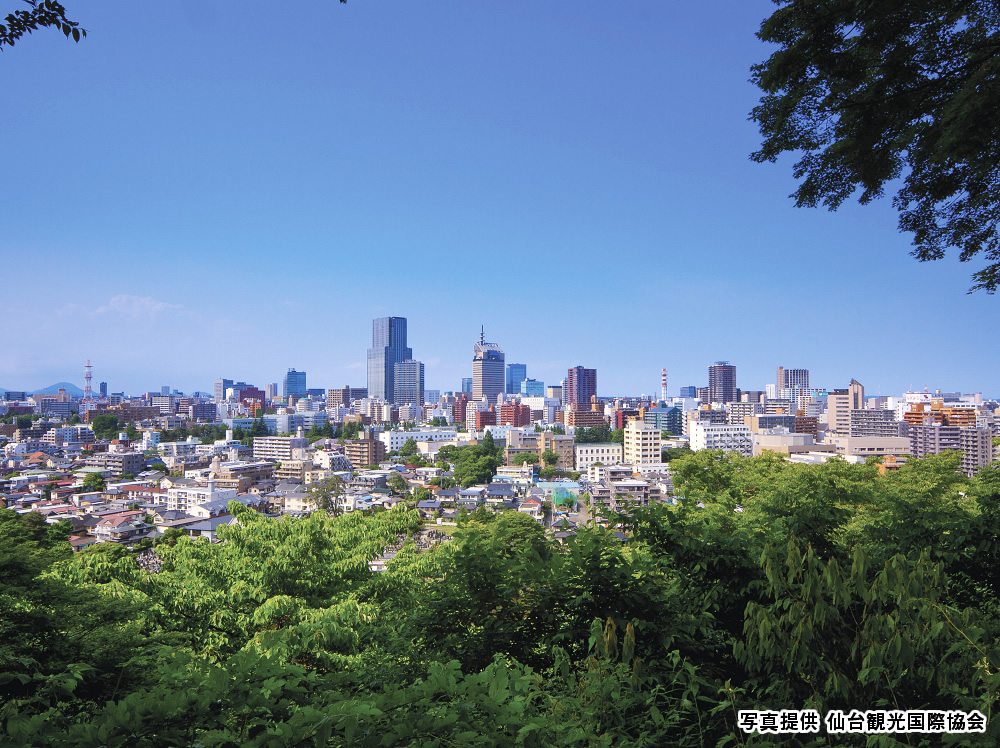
[(389, 142), (676, 389)]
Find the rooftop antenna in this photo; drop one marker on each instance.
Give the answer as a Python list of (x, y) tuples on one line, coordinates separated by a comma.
[(482, 335)]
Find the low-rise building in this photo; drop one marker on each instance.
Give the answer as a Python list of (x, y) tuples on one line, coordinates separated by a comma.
[(587, 454), (721, 436)]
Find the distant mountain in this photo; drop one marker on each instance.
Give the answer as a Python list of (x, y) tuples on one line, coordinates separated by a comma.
[(53, 389)]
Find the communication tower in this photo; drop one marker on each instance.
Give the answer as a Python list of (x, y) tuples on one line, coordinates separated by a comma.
[(663, 385), (88, 376)]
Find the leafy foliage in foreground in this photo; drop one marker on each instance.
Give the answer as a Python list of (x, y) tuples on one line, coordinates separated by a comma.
[(769, 586)]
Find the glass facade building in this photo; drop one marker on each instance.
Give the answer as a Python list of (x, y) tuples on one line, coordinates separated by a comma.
[(388, 349), (516, 373), (294, 384)]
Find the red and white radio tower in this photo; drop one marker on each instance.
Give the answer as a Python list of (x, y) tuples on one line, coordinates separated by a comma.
[(88, 392), (663, 385)]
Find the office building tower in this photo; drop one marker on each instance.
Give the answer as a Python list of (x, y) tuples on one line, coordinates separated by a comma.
[(104, 390), (722, 382), (533, 388), (294, 384), (467, 385), (408, 382), (581, 385), (516, 373), (794, 378), (165, 389), (689, 391), (487, 370), (388, 349), (840, 403), (221, 385)]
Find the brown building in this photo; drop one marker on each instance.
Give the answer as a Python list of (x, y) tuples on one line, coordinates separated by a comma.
[(588, 418), (361, 452), (936, 412), (807, 425), (515, 415), (485, 418)]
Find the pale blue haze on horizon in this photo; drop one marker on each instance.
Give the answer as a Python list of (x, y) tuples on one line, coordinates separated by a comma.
[(205, 190)]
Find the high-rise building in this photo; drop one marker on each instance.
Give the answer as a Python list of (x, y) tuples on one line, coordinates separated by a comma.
[(533, 388), (642, 443), (408, 382), (722, 382), (388, 349), (487, 370), (689, 391), (581, 385), (104, 390), (795, 378), (221, 385), (294, 384), (840, 403), (467, 385), (516, 373)]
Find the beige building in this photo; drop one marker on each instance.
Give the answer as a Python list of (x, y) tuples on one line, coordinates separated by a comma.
[(561, 444), (643, 444), (839, 404), (785, 442), (869, 446)]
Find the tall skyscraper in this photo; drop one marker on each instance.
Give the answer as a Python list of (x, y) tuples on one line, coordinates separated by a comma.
[(487, 370), (221, 385), (689, 391), (294, 384), (467, 384), (388, 349), (408, 384), (722, 382), (581, 385), (516, 373)]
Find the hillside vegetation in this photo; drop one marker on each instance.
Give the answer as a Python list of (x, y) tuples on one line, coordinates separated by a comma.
[(769, 586)]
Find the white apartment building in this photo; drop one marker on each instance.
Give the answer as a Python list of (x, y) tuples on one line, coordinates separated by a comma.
[(473, 407), (643, 444), (720, 436), (335, 461), (187, 448), (587, 454), (278, 447), (394, 440), (181, 498)]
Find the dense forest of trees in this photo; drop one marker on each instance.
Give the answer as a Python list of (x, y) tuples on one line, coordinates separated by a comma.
[(769, 586)]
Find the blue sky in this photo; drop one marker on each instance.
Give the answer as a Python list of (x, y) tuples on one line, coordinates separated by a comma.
[(203, 190)]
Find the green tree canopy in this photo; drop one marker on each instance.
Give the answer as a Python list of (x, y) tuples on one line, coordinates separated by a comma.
[(92, 482), (105, 426), (868, 93)]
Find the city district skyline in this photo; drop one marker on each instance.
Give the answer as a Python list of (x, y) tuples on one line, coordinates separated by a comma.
[(395, 375)]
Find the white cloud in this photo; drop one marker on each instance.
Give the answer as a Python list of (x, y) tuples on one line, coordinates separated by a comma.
[(137, 306), (125, 307)]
